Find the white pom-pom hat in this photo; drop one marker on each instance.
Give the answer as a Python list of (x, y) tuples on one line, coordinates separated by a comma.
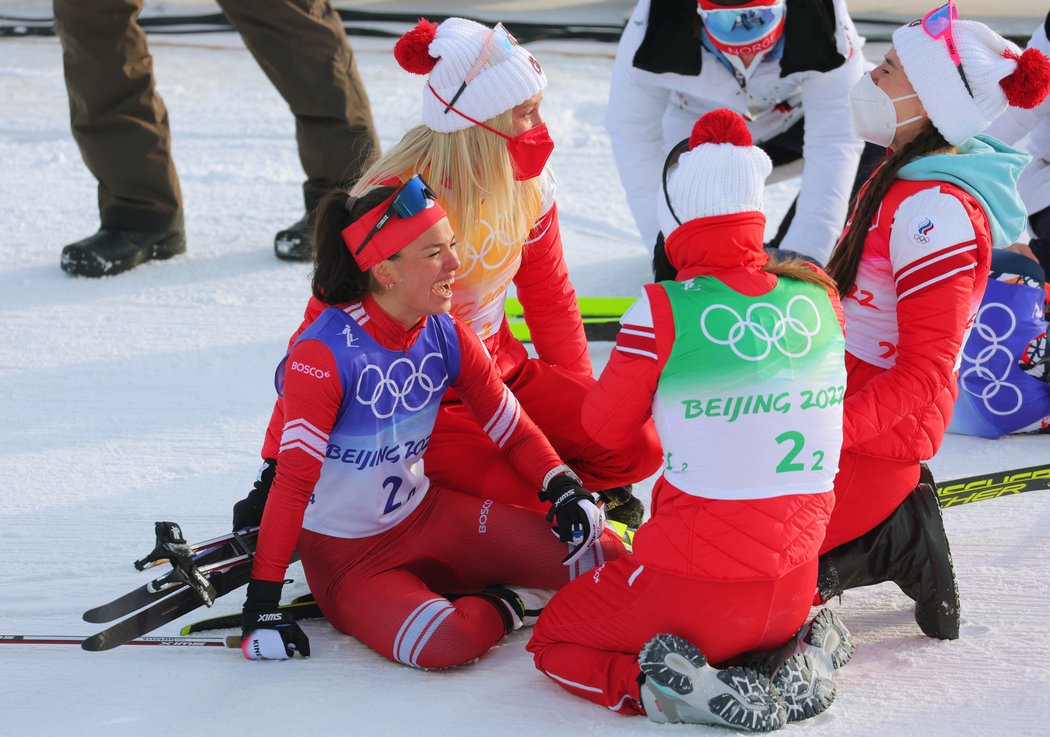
[(722, 173), (995, 69), (509, 76)]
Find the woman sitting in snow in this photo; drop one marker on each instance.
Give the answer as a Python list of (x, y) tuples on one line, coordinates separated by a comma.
[(382, 546), (740, 362), (484, 147), (1004, 377)]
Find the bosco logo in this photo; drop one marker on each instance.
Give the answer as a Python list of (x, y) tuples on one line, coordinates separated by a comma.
[(303, 368)]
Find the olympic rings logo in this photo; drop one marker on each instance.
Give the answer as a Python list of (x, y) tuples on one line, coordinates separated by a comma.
[(764, 327), (921, 239), (992, 364), (402, 384), (495, 244)]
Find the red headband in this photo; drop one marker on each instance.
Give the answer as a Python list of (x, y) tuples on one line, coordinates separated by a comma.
[(395, 234)]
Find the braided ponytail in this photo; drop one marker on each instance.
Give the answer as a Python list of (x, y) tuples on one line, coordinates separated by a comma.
[(846, 259)]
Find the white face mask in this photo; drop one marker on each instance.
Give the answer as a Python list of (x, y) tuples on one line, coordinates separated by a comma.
[(874, 113)]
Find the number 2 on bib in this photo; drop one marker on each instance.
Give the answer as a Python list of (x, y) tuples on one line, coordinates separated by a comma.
[(798, 442), (394, 484)]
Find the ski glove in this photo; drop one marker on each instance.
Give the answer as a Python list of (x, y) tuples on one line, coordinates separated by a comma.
[(267, 633), (248, 512), (577, 519)]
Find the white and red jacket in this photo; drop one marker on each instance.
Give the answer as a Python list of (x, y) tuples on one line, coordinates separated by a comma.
[(314, 403), (654, 103), (921, 278), (687, 534), (541, 277)]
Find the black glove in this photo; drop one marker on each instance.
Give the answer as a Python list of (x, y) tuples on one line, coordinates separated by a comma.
[(577, 519), (267, 633), (248, 512)]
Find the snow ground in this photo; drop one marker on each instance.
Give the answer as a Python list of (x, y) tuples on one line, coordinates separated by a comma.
[(144, 397)]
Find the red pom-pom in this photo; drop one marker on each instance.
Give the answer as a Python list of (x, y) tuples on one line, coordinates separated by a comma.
[(720, 126), (412, 49), (1030, 82)]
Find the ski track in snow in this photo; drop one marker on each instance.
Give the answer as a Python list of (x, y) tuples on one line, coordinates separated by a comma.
[(145, 397)]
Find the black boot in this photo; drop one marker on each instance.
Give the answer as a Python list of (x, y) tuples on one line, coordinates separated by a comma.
[(295, 243), (621, 505), (113, 251), (911, 549)]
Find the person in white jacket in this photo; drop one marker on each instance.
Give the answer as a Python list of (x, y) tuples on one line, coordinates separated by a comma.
[(1034, 184), (786, 65)]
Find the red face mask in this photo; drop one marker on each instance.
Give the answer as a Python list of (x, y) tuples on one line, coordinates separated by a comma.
[(529, 152)]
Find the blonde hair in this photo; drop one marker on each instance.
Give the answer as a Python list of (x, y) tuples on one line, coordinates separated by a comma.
[(471, 173)]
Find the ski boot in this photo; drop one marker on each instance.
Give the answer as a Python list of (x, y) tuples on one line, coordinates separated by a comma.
[(621, 505), (520, 606)]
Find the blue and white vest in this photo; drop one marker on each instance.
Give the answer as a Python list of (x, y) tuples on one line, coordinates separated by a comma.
[(372, 475)]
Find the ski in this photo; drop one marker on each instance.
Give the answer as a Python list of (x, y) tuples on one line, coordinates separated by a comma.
[(207, 556), (232, 641), (601, 317), (590, 307), (970, 489), (225, 565), (168, 609), (304, 607)]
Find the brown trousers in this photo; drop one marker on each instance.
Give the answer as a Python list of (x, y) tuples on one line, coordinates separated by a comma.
[(121, 124)]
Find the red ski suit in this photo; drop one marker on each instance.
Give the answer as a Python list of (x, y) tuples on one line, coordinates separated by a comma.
[(388, 588), (551, 388), (730, 575), (922, 275)]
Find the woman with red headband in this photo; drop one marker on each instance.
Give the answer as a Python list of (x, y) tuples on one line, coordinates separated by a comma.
[(419, 572), (483, 146), (912, 266)]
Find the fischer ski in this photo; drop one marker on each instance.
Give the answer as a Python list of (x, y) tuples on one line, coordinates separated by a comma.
[(233, 641), (970, 489)]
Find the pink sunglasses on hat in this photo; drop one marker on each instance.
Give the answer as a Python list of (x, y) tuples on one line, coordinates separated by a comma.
[(938, 25), (497, 47)]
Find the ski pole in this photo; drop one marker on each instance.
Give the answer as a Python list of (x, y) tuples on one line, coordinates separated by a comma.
[(232, 641)]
